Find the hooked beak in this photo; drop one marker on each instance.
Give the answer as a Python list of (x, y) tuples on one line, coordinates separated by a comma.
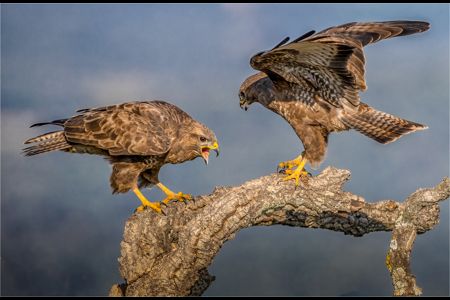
[(242, 102), (205, 151)]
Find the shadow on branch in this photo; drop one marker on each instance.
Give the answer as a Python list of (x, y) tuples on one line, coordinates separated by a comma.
[(169, 255)]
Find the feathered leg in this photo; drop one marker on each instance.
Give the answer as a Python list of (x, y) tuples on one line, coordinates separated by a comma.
[(315, 143), (124, 177)]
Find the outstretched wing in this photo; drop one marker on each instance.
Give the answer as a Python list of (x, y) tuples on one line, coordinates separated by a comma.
[(120, 131), (330, 63), (362, 34)]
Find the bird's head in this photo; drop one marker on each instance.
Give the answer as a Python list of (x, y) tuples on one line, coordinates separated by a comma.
[(205, 140), (248, 92)]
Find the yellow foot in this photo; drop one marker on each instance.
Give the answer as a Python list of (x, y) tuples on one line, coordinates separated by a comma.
[(155, 205), (296, 175), (171, 195), (290, 164), (145, 203), (299, 162)]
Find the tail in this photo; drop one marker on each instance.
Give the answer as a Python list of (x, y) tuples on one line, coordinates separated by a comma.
[(379, 126), (51, 141)]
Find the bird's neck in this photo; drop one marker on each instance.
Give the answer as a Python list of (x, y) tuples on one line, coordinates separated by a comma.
[(266, 91)]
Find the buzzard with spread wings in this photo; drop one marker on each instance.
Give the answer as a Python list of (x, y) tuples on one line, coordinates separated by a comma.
[(138, 138), (314, 83)]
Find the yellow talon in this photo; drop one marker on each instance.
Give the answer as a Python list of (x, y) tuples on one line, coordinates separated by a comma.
[(145, 203), (295, 175), (156, 205), (292, 163), (171, 195), (299, 162)]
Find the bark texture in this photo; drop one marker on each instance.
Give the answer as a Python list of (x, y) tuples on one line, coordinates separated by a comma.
[(169, 255)]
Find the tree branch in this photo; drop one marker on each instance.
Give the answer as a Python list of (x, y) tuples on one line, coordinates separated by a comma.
[(168, 255)]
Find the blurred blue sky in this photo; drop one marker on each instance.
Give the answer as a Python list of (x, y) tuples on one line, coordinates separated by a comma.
[(61, 227)]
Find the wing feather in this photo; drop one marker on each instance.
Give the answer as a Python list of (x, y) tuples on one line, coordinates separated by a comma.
[(120, 131), (322, 66), (360, 34), (331, 62)]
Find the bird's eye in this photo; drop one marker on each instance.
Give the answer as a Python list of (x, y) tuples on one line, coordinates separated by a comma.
[(203, 139)]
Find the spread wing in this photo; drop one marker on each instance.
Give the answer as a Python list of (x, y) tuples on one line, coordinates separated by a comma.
[(120, 131), (331, 62), (362, 34)]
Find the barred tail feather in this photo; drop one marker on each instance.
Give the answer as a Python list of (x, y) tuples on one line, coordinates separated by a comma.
[(52, 141), (379, 126), (44, 137)]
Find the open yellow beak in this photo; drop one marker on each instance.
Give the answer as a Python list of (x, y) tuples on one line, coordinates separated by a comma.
[(205, 151)]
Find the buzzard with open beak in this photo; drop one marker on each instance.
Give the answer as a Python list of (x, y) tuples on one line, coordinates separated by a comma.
[(209, 145)]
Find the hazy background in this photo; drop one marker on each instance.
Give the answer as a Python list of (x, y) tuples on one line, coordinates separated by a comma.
[(61, 227)]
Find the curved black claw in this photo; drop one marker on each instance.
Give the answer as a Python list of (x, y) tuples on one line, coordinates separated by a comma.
[(162, 211), (282, 170)]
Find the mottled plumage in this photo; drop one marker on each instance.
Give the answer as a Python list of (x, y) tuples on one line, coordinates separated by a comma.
[(138, 138), (314, 83)]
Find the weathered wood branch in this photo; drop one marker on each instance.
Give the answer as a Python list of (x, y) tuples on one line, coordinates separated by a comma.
[(420, 210), (168, 255)]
